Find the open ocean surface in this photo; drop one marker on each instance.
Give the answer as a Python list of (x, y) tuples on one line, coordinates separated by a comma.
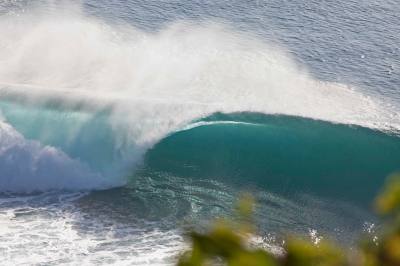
[(122, 123)]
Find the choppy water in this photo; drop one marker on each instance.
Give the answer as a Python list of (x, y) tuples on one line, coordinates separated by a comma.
[(124, 122)]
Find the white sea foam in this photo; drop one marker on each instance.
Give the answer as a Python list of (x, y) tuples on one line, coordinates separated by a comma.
[(49, 229)]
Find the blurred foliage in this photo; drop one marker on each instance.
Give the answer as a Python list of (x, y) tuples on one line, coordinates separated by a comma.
[(228, 243), (388, 202)]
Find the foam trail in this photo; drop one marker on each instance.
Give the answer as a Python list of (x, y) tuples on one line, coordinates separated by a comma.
[(156, 83)]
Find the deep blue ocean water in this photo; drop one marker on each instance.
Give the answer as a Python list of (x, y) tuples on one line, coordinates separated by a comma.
[(122, 123)]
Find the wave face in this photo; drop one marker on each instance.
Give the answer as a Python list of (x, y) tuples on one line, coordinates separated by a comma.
[(85, 136), (28, 166), (282, 154)]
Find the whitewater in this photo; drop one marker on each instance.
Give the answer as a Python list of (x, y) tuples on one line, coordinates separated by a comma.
[(115, 137)]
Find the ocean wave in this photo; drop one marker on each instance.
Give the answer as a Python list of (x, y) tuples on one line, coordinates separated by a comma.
[(103, 94)]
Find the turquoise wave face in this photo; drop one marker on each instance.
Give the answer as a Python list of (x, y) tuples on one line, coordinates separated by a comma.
[(82, 135), (282, 154)]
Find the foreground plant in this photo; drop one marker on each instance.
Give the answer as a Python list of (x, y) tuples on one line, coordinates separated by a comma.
[(228, 243)]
